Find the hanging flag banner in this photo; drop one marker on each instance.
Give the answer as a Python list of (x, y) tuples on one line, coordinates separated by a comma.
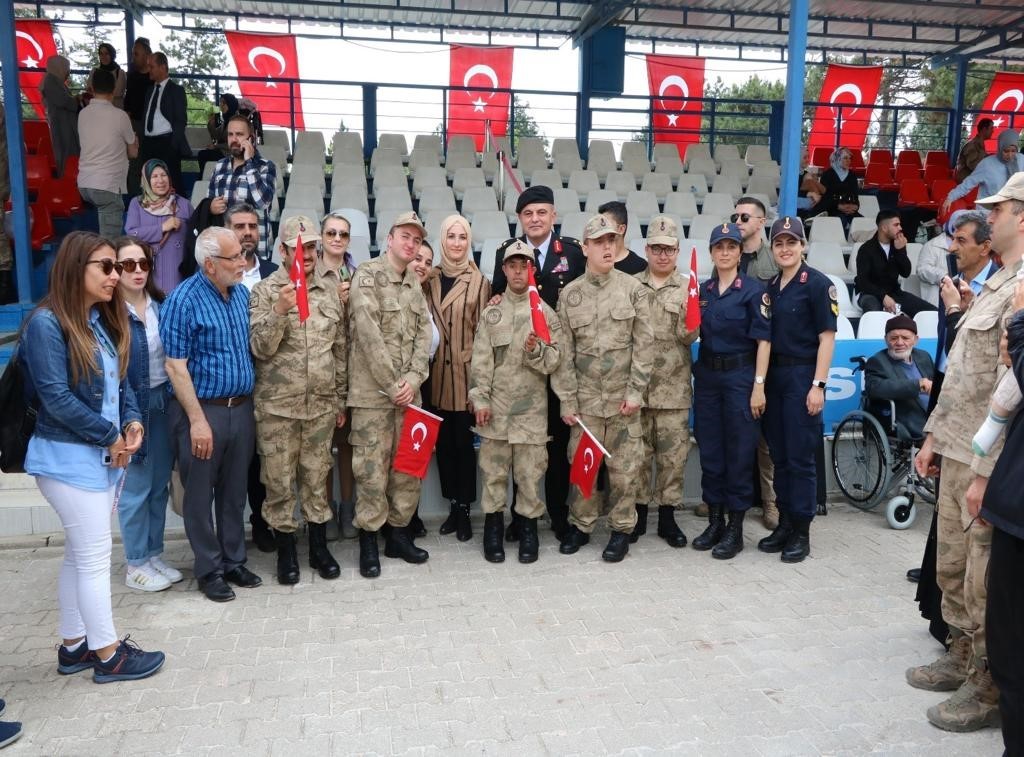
[(271, 58), (855, 88), (35, 45), (486, 70), (416, 442), (1006, 94), (676, 84)]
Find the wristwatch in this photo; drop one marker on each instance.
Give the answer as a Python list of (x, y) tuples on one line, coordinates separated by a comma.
[(758, 379), (819, 384)]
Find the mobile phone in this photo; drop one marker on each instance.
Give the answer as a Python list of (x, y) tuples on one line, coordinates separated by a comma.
[(106, 458)]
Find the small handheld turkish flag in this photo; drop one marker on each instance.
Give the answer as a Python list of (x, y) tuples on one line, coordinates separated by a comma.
[(297, 274), (540, 323), (586, 462), (693, 295), (416, 445)]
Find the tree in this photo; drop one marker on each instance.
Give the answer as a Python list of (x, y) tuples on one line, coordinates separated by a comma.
[(522, 124), (202, 52)]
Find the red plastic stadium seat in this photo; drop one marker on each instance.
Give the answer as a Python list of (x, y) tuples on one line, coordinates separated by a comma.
[(935, 172), (909, 157), (33, 131), (964, 203), (857, 163), (914, 194), (880, 156), (937, 158), (42, 225), (37, 171), (61, 196), (820, 157), (879, 176), (906, 171)]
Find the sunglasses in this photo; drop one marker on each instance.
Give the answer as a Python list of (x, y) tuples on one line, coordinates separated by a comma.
[(741, 217), (332, 233), (107, 265), (130, 265)]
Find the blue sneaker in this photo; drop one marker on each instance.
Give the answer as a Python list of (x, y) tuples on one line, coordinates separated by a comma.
[(9, 732), (3, 706), (81, 659), (129, 663)]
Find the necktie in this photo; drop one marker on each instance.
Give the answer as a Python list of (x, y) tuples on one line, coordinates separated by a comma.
[(540, 258), (152, 108)]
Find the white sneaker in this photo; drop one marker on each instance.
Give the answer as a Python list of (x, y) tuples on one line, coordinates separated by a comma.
[(171, 574), (145, 578)]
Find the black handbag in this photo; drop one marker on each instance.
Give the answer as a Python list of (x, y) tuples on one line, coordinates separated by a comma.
[(17, 418)]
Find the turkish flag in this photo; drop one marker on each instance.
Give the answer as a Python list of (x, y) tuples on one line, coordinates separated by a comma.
[(1005, 94), (693, 295), (271, 58), (847, 86), (297, 275), (586, 462), (674, 77), (487, 69), (540, 323), (416, 444), (35, 46)]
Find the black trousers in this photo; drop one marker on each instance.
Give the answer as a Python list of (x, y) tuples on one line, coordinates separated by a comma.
[(456, 458), (257, 494), (163, 149), (1004, 630), (556, 479), (911, 304)]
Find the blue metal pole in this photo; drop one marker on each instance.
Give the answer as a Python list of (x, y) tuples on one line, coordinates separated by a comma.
[(792, 120), (16, 151), (955, 126)]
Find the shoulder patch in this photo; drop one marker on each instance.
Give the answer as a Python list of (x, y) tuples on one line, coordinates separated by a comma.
[(381, 278), (833, 294), (766, 305), (574, 298), (366, 281), (493, 315)]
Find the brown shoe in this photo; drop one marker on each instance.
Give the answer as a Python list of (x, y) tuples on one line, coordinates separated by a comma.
[(948, 673), (973, 706), (701, 511), (771, 516)]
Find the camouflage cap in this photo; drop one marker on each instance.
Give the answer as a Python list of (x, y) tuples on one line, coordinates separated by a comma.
[(662, 230), (598, 226), (409, 218), (294, 227), (516, 248)]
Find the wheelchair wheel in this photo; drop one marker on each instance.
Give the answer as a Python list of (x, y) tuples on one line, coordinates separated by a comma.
[(900, 512), (861, 459)]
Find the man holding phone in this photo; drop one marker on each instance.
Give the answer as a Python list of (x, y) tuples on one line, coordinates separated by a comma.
[(244, 177), (881, 261)]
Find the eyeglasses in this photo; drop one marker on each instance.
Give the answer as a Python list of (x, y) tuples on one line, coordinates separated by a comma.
[(130, 265), (332, 233), (229, 258), (663, 251), (741, 217), (107, 265)]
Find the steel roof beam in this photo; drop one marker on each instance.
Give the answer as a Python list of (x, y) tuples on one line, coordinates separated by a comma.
[(599, 15)]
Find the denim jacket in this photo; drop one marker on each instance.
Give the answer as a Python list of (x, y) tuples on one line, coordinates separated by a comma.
[(138, 375), (68, 413)]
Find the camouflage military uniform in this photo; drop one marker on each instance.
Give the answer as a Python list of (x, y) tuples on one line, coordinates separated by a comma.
[(512, 384), (300, 390), (972, 372), (607, 350), (389, 340), (666, 416)]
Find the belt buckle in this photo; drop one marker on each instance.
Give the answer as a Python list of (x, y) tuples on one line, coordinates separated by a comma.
[(232, 401)]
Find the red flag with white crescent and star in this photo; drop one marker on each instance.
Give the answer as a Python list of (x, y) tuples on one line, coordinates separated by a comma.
[(486, 69), (35, 44), (271, 58), (586, 462), (540, 323), (417, 440), (671, 77), (297, 275), (693, 295), (1004, 105), (855, 87)]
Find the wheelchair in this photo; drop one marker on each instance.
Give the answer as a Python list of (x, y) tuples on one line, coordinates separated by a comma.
[(873, 460)]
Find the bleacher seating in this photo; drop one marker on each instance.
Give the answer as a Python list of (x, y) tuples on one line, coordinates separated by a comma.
[(601, 158)]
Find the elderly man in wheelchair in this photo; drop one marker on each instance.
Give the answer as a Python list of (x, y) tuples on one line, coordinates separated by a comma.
[(874, 447)]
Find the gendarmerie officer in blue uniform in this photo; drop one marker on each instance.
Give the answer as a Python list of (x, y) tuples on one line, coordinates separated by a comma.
[(729, 390), (804, 311)]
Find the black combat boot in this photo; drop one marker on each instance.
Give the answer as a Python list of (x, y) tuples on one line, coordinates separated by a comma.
[(262, 535), (8, 294), (369, 558), (320, 558), (776, 540), (715, 530), (618, 546), (668, 529), (529, 545), (641, 524), (731, 543), (416, 527), (574, 539), (798, 545), (494, 527), (514, 527), (287, 558), (463, 525), (400, 545), (448, 527)]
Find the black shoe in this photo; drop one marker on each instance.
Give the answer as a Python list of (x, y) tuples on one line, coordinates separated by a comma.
[(529, 544), (574, 539), (463, 525), (514, 527), (263, 537), (731, 543), (69, 662), (776, 540), (320, 558), (798, 545), (400, 545), (369, 558), (416, 527), (617, 547), (216, 588), (641, 524), (448, 527), (287, 558), (494, 526), (129, 663), (715, 530), (914, 575), (668, 529), (242, 576)]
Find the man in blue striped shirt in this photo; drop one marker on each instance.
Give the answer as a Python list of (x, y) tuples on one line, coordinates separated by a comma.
[(204, 326)]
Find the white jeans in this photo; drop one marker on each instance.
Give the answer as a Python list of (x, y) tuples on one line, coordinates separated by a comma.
[(83, 591)]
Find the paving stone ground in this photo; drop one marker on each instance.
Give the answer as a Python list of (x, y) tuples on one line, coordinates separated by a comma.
[(670, 652)]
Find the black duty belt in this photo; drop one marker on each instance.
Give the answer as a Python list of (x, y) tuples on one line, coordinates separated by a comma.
[(786, 360), (226, 401), (718, 361)]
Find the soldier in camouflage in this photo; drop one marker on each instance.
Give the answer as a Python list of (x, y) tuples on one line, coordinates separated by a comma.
[(299, 397), (508, 379), (389, 343), (607, 348)]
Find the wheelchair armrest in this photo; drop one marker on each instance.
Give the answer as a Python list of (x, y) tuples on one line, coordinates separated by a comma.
[(861, 362)]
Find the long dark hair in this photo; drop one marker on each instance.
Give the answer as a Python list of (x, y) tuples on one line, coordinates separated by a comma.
[(152, 289)]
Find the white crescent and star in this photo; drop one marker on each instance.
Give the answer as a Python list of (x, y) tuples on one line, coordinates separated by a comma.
[(674, 80), (481, 69), (588, 453), (29, 61), (261, 50), (420, 426), (846, 89), (1016, 94)]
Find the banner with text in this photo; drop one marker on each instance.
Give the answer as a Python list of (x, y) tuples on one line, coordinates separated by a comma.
[(848, 98)]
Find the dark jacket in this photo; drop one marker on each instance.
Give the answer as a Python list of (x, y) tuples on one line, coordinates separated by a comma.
[(885, 380), (1003, 505), (563, 252), (174, 107), (838, 190), (878, 275), (201, 219)]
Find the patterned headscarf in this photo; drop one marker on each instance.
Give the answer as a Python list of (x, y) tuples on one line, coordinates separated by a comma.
[(836, 159), (157, 205)]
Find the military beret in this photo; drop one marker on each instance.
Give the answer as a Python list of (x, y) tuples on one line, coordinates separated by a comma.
[(538, 193)]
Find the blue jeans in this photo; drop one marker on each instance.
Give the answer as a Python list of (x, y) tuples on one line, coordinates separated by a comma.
[(142, 509)]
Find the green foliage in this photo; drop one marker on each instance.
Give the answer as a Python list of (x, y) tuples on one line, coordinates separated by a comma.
[(522, 124), (196, 52)]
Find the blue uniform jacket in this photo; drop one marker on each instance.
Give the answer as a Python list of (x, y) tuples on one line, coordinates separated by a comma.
[(732, 322), (806, 307)]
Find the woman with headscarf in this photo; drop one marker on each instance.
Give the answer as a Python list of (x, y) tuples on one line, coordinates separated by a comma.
[(992, 173), (61, 110), (217, 125), (107, 56), (456, 295), (160, 217), (841, 198)]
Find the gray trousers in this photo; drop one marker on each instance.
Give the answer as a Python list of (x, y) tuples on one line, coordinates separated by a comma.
[(111, 210), (215, 489)]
